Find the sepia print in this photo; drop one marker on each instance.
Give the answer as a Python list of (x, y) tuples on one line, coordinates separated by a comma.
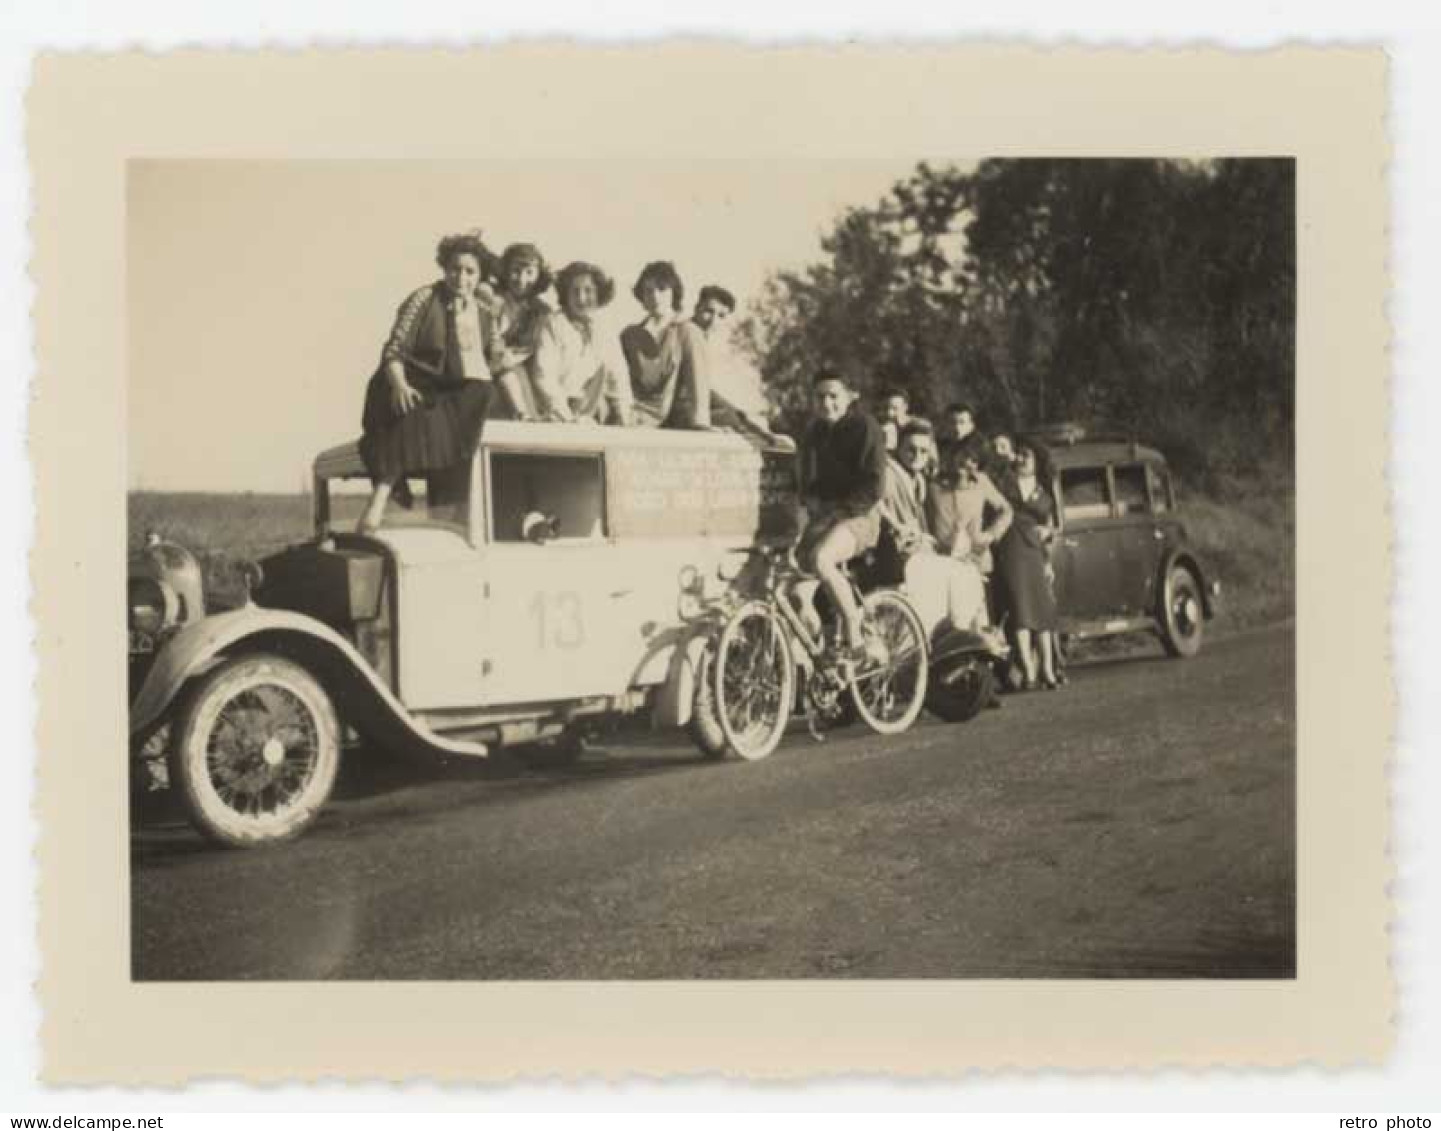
[(787, 573), (1038, 413)]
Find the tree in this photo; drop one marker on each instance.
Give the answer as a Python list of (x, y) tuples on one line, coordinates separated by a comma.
[(1159, 295)]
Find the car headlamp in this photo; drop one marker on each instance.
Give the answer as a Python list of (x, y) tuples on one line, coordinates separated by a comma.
[(152, 606)]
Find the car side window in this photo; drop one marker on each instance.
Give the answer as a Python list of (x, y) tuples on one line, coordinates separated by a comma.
[(1160, 483), (1131, 495), (540, 497), (1084, 493)]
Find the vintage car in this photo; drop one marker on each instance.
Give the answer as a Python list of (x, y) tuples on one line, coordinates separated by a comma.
[(1122, 559), (549, 583)]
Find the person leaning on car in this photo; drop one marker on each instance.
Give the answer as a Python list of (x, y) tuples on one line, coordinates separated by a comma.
[(842, 479)]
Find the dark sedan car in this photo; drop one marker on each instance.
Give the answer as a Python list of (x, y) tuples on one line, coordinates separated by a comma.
[(1122, 559)]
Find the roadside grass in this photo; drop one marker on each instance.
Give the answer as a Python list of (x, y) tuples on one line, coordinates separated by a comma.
[(223, 531), (1248, 542), (1246, 539)]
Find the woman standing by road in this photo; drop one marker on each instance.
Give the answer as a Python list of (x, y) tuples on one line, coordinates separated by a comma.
[(427, 401), (967, 515), (1023, 568)]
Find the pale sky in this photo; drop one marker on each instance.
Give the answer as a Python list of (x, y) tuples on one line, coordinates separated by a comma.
[(260, 292)]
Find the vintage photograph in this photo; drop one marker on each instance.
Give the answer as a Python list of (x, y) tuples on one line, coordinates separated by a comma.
[(671, 569)]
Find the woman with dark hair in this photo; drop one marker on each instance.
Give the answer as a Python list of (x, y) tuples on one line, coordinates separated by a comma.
[(1022, 570), (517, 307), (426, 403), (665, 354), (573, 376)]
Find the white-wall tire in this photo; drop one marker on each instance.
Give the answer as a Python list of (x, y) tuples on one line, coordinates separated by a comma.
[(754, 680), (254, 751)]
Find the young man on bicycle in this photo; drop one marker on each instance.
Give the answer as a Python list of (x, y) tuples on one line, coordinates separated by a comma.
[(842, 479)]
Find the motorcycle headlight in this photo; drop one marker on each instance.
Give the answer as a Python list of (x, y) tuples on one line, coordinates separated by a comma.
[(151, 606)]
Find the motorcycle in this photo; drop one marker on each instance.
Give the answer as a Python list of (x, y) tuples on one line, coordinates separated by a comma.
[(964, 666)]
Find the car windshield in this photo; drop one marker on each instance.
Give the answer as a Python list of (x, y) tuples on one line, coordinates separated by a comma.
[(436, 501)]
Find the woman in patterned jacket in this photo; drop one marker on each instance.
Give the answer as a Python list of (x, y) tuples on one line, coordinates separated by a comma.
[(427, 401)]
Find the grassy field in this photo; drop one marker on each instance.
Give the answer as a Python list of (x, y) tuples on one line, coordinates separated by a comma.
[(221, 530), (1247, 540)]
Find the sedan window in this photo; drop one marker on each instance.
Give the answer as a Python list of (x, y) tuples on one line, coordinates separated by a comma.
[(1084, 493), (1160, 483), (1131, 490)]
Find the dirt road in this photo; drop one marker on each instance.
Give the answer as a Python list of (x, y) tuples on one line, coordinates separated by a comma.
[(1140, 823)]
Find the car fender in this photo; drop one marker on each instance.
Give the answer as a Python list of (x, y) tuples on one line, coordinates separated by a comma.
[(1181, 555), (675, 699), (364, 699)]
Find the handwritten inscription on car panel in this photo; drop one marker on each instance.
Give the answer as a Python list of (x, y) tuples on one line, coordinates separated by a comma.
[(680, 492)]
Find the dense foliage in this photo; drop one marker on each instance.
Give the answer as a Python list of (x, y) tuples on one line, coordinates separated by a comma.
[(1157, 296)]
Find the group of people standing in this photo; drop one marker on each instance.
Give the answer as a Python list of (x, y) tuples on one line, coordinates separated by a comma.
[(483, 342), (967, 521)]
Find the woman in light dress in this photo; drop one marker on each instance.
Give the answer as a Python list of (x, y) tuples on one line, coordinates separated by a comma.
[(943, 577), (576, 371), (967, 515)]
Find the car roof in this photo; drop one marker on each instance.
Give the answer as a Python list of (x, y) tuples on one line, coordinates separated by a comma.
[(343, 461), (1073, 444), (1090, 453)]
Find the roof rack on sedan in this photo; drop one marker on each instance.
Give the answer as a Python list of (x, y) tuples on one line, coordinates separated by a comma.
[(1067, 433)]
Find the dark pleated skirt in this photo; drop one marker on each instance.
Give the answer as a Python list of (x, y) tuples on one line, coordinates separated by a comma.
[(440, 433), (1024, 595)]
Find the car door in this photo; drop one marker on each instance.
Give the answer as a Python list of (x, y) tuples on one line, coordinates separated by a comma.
[(1083, 557), (1138, 542), (554, 582)]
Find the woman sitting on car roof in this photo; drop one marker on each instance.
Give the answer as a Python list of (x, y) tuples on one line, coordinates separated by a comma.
[(575, 372), (518, 309), (666, 354), (427, 400)]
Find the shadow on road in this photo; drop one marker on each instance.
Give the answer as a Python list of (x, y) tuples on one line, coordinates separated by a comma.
[(377, 787)]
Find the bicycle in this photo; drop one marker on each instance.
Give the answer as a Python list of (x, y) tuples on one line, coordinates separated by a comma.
[(771, 640)]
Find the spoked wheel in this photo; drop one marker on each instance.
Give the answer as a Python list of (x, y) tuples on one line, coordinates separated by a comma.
[(888, 688), (1182, 616), (754, 680), (255, 751)]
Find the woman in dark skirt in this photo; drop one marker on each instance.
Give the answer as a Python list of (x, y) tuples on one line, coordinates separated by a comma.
[(425, 405), (1023, 570)]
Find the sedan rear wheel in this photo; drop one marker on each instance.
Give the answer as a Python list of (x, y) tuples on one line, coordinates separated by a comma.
[(1183, 615)]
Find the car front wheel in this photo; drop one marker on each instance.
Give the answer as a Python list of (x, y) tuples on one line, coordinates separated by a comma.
[(255, 750), (1183, 615)]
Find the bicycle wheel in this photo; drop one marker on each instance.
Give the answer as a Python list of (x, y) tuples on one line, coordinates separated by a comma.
[(888, 688), (754, 678)]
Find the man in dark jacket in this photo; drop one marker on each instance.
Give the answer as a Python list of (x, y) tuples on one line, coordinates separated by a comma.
[(843, 475)]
